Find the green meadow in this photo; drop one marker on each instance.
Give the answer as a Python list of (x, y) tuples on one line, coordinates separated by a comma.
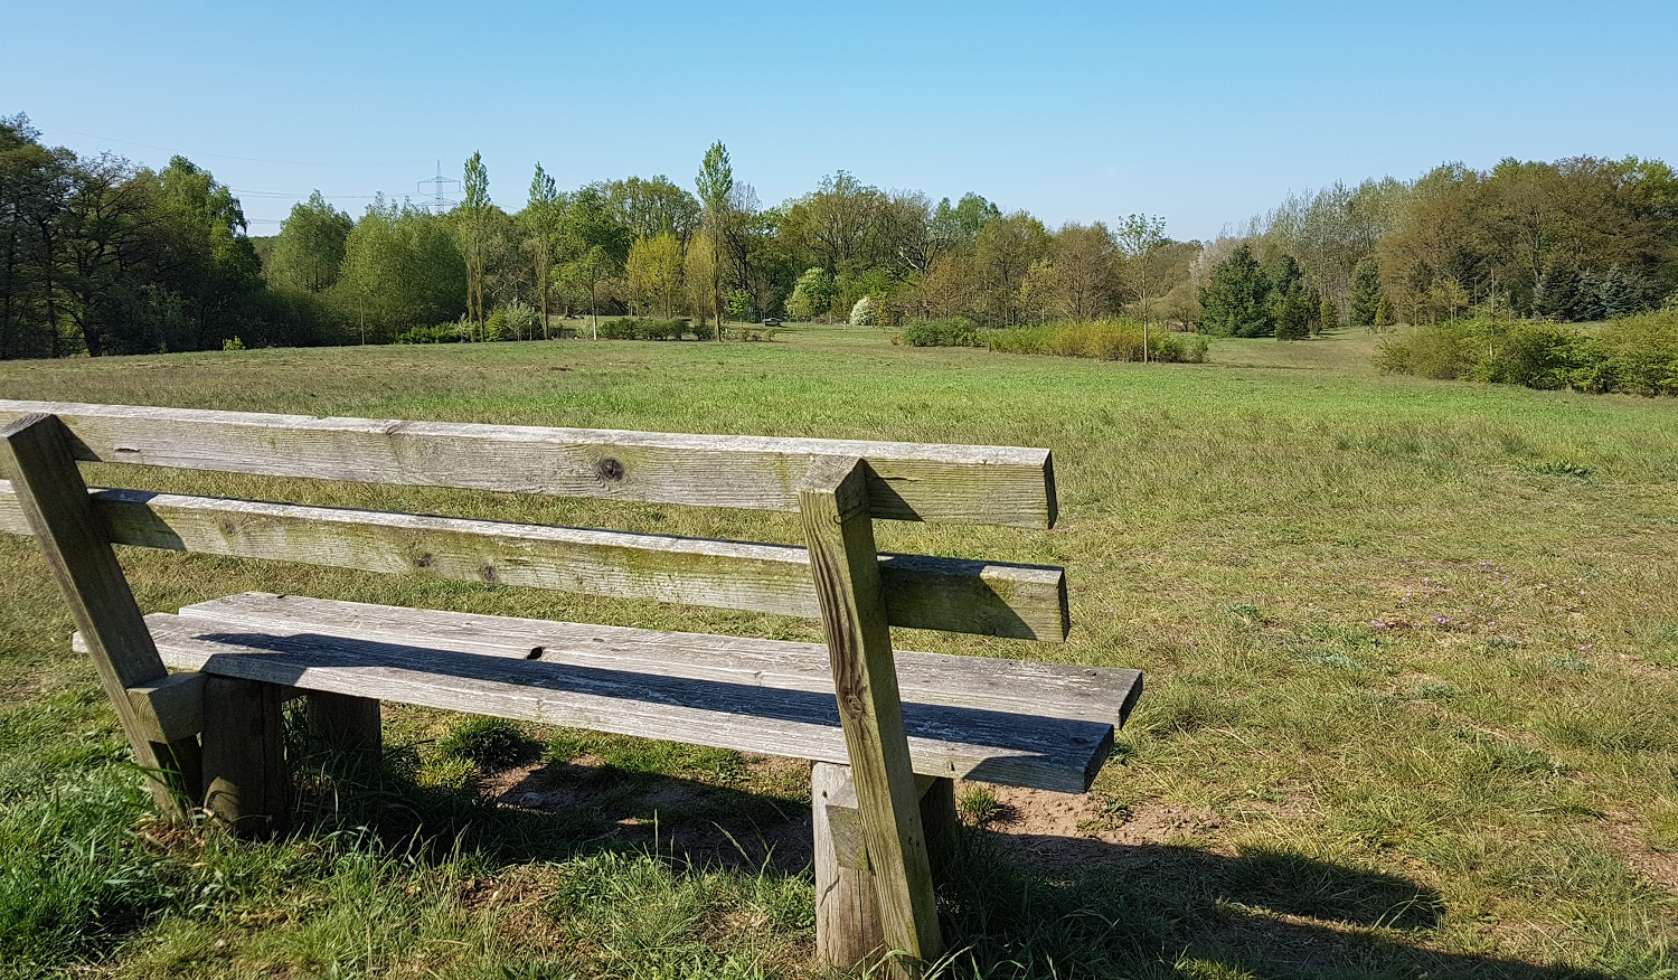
[(1411, 706)]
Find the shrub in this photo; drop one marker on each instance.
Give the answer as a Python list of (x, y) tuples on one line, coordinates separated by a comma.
[(619, 328), (813, 295), (1635, 355), (1429, 352), (441, 333), (1106, 340), (641, 328), (953, 331), (232, 344), (862, 314), (513, 321)]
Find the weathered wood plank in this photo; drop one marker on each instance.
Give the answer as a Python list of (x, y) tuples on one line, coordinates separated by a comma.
[(1096, 694), (53, 501), (833, 502), (848, 929), (909, 481), (648, 699), (246, 784), (951, 594), (171, 708), (845, 823)]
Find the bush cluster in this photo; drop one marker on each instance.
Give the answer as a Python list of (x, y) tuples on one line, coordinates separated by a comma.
[(955, 331), (516, 320), (1105, 340), (645, 328), (1636, 355), (439, 333)]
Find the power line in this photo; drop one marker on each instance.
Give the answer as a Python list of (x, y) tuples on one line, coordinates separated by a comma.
[(195, 153), (246, 192)]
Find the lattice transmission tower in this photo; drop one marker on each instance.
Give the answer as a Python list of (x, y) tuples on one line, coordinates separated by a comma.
[(440, 203)]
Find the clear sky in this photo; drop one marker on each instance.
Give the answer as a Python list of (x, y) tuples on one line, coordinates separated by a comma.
[(1203, 113)]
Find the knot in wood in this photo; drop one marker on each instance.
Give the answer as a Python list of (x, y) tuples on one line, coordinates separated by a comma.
[(608, 469)]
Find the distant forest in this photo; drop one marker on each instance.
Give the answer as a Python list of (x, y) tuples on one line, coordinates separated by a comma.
[(99, 256)]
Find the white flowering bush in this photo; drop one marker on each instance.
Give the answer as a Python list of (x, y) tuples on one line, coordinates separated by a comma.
[(862, 314)]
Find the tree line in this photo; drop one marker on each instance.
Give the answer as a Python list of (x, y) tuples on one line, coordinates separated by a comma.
[(100, 256), (1583, 238)]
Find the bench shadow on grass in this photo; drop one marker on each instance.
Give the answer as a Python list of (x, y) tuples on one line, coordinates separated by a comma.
[(1018, 904)]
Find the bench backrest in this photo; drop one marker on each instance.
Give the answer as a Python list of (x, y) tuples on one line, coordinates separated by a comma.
[(906, 481)]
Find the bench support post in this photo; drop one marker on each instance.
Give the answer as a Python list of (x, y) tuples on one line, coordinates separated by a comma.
[(36, 452), (345, 721), (246, 784), (848, 930), (834, 507)]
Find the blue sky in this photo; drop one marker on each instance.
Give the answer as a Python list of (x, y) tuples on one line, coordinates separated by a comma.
[(1201, 114)]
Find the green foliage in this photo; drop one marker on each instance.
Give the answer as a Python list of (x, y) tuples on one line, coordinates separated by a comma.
[(1384, 316), (812, 296), (1328, 315), (1236, 301), (1366, 295), (740, 305), (401, 266), (438, 333), (1634, 355), (309, 250), (515, 320), (1106, 340), (641, 328), (1293, 309), (232, 344), (952, 331), (488, 743)]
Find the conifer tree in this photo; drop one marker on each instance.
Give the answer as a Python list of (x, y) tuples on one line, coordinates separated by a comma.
[(1384, 313), (1328, 315), (1235, 302), (1557, 292), (1365, 296), (1587, 300)]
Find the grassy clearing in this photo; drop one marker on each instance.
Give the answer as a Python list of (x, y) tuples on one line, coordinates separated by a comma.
[(1411, 647)]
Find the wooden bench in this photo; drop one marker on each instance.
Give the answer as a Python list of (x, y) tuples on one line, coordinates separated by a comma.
[(887, 732)]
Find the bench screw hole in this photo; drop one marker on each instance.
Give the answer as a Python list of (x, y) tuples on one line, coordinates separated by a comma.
[(609, 469)]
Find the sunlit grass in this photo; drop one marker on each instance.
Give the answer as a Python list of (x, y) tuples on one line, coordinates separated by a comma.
[(1410, 646)]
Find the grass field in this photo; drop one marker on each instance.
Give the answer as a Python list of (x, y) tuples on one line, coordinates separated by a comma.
[(1411, 647)]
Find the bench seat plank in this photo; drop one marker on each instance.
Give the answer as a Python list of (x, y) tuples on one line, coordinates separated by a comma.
[(971, 718)]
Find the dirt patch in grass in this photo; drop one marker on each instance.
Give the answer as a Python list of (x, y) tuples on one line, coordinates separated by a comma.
[(1630, 839), (706, 823), (1052, 831)]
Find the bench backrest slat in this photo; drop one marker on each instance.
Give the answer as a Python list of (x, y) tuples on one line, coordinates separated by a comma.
[(909, 481), (950, 594)]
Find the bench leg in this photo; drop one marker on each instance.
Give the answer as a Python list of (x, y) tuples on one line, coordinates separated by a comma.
[(246, 785), (848, 928), (345, 721), (940, 822)]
